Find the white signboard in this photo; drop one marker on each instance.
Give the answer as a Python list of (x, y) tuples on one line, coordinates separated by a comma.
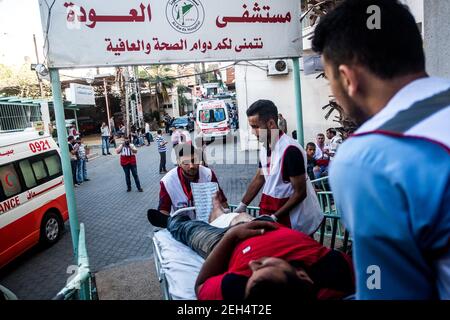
[(87, 33), (80, 94)]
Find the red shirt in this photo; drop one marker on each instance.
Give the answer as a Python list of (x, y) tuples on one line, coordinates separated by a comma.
[(284, 243), (165, 203)]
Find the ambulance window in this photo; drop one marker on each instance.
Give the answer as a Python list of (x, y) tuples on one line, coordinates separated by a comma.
[(53, 165), (219, 115), (205, 116), (39, 170), (10, 180), (27, 172)]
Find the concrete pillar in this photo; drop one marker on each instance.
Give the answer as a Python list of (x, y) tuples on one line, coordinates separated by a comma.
[(437, 37)]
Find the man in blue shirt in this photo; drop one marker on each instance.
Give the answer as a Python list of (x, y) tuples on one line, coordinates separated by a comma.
[(391, 180)]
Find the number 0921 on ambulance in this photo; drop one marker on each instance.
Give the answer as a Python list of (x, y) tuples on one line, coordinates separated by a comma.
[(33, 205)]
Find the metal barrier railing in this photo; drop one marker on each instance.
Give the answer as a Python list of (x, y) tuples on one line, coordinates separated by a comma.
[(82, 286), (17, 117), (332, 228)]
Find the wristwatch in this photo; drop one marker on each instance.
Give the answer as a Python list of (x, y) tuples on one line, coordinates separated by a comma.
[(274, 217)]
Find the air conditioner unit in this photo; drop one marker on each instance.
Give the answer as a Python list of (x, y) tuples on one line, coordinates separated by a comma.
[(277, 67)]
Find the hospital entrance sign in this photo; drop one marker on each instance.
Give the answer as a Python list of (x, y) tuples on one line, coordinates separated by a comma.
[(88, 33)]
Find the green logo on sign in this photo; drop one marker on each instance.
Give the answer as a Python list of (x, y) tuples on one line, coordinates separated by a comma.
[(185, 16)]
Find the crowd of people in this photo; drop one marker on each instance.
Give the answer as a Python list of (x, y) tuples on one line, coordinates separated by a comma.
[(78, 160), (320, 153)]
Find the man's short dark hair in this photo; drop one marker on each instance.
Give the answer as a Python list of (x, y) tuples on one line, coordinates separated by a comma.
[(320, 135), (185, 149), (396, 49), (311, 145), (264, 109), (292, 289), (332, 130), (70, 138), (159, 131)]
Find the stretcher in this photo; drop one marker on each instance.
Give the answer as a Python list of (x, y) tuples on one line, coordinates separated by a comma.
[(177, 265)]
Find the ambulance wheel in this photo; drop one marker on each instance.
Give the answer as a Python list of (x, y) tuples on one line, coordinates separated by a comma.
[(51, 228)]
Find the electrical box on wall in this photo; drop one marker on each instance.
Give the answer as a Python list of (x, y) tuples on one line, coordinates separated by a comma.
[(277, 67)]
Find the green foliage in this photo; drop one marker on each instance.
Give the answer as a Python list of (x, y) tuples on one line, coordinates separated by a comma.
[(21, 82), (182, 100)]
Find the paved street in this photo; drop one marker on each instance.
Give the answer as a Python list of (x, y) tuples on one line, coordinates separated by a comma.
[(116, 224)]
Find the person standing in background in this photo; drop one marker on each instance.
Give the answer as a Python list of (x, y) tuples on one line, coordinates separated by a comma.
[(162, 149), (105, 138), (147, 133), (82, 161), (128, 162), (282, 123)]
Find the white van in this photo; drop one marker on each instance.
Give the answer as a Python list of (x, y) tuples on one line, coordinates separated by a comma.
[(33, 205), (212, 118)]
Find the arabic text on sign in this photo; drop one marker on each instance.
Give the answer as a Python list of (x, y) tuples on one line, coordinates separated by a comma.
[(93, 18), (181, 45), (257, 17)]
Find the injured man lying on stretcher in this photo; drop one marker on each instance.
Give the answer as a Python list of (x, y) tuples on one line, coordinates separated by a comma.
[(250, 258)]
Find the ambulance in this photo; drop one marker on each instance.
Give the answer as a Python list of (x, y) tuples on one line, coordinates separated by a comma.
[(212, 119), (33, 205)]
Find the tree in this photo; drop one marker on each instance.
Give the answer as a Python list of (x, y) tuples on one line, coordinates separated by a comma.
[(121, 82), (161, 79), (183, 102), (21, 82)]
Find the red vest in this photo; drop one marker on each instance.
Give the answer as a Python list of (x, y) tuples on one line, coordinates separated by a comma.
[(127, 159)]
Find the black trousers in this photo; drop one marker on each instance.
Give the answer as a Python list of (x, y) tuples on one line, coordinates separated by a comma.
[(73, 164), (162, 163), (133, 169)]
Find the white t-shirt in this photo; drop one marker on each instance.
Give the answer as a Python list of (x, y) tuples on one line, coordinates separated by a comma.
[(105, 131)]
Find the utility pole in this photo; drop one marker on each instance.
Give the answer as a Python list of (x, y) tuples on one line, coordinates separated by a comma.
[(107, 102), (126, 77), (138, 96), (41, 89)]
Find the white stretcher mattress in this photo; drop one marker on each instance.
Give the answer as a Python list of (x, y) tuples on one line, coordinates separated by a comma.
[(180, 263)]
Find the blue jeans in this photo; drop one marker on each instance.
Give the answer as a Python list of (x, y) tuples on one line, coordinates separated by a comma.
[(105, 144), (133, 169), (198, 235), (81, 170)]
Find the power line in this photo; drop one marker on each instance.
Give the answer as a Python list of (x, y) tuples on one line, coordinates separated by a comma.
[(162, 79)]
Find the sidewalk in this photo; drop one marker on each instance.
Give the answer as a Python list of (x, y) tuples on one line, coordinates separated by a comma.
[(94, 142)]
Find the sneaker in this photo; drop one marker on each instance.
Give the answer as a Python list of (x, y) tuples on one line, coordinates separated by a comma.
[(157, 219), (109, 153), (104, 154), (128, 189), (141, 190), (87, 179)]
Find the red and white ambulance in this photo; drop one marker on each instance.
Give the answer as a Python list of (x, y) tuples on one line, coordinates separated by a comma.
[(212, 119), (33, 205)]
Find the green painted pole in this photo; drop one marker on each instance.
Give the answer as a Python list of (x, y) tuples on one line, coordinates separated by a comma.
[(298, 101), (65, 159)]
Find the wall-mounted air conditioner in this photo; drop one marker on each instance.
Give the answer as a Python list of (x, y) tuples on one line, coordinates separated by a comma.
[(277, 67)]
